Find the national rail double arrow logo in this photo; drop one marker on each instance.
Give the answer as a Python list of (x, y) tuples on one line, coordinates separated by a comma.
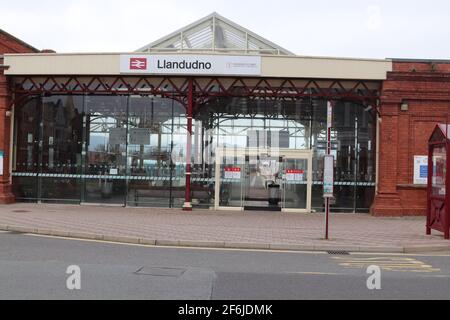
[(138, 63)]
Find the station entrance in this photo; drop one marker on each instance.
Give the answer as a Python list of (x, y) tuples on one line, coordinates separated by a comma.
[(210, 143)]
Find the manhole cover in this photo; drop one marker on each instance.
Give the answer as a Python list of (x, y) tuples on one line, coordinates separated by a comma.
[(161, 272), (339, 253)]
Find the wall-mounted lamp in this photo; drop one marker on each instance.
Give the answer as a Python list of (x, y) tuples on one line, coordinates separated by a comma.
[(404, 106)]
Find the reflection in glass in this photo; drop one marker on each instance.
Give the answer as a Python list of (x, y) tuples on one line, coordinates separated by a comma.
[(106, 132), (156, 131)]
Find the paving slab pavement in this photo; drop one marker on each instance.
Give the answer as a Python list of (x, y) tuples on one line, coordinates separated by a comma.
[(223, 229)]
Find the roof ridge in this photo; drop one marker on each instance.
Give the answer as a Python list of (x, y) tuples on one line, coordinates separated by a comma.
[(177, 38)]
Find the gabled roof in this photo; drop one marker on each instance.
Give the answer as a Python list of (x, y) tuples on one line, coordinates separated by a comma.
[(215, 33), (18, 41), (441, 131)]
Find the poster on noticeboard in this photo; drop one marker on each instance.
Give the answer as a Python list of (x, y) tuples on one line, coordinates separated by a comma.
[(2, 156)]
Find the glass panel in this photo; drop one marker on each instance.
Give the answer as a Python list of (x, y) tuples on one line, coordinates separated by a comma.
[(203, 169), (61, 161), (296, 183), (231, 181), (25, 188), (365, 161), (150, 163), (26, 151), (106, 128), (318, 113), (439, 171), (344, 139), (364, 198), (317, 201), (179, 142)]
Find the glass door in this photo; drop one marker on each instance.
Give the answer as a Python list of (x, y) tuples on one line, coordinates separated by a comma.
[(262, 186)]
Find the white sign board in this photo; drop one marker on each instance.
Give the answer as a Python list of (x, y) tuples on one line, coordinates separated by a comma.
[(420, 170), (232, 173), (329, 115), (328, 177), (1, 162), (190, 64), (295, 175)]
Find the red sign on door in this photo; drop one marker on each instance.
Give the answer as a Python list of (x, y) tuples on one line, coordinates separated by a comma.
[(295, 175), (294, 171), (232, 173)]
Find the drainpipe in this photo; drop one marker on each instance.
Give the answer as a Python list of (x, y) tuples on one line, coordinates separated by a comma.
[(377, 154)]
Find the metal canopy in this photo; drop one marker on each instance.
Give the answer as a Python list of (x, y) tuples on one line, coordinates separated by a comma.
[(215, 33)]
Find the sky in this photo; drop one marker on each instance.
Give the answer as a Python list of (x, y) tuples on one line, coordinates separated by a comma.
[(345, 28)]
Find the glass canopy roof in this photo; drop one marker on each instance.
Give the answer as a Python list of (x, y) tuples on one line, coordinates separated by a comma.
[(215, 33)]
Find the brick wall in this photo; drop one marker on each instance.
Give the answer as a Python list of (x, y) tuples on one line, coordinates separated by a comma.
[(425, 87), (8, 44)]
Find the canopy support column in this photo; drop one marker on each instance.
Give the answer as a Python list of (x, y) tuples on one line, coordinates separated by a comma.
[(189, 115)]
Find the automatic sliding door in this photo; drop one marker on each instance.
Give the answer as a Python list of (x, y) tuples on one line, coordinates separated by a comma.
[(262, 188)]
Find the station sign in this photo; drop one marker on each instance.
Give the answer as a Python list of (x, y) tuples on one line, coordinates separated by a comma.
[(329, 115), (190, 65), (328, 177)]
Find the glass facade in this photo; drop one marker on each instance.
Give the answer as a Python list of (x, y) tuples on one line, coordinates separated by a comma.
[(131, 150)]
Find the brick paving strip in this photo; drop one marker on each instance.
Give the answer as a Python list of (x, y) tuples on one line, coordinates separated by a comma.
[(204, 228)]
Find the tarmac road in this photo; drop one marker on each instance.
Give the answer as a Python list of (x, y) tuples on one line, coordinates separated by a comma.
[(34, 267)]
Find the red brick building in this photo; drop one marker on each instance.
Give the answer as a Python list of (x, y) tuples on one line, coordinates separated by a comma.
[(8, 44), (423, 88), (412, 96)]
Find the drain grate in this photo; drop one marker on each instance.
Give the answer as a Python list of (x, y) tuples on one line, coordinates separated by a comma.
[(161, 272), (21, 211), (339, 253)]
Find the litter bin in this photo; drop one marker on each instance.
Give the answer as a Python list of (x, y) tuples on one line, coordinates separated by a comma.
[(274, 194)]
